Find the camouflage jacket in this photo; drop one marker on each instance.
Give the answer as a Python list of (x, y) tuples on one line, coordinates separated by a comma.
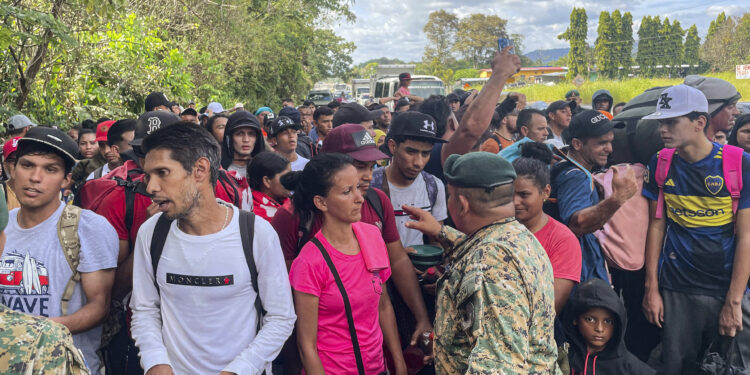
[(36, 345), (495, 304)]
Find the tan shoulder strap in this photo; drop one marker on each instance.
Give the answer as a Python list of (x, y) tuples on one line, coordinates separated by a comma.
[(67, 232)]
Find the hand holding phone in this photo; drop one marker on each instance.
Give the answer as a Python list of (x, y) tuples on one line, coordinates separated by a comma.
[(502, 43)]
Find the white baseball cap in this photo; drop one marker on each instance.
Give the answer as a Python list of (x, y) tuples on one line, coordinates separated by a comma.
[(678, 101), (215, 107)]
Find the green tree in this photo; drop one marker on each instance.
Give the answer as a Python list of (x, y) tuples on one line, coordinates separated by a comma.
[(692, 48), (729, 44), (440, 30), (649, 46), (576, 34), (476, 38), (716, 24), (606, 48), (33, 33), (624, 42)]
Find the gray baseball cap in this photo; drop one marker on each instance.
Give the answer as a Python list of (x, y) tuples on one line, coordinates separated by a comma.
[(718, 92), (19, 122)]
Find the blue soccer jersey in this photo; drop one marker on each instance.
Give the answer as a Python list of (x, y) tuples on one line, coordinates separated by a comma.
[(698, 250)]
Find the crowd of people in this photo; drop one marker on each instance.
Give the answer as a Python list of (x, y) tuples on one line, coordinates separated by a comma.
[(458, 234)]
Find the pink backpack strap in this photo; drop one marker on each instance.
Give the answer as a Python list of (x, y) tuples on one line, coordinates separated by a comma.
[(663, 162), (732, 166)]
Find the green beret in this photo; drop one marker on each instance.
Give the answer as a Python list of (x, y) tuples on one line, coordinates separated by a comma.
[(478, 170)]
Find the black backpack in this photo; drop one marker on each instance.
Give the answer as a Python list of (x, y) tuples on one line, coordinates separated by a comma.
[(247, 232)]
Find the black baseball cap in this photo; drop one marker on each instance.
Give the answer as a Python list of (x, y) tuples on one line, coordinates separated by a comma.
[(150, 122), (190, 112), (241, 119), (156, 99), (353, 113), (560, 104), (291, 113), (280, 124), (415, 125), (589, 124), (53, 138)]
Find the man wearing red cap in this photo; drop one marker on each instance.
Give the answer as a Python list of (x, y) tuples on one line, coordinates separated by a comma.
[(104, 150)]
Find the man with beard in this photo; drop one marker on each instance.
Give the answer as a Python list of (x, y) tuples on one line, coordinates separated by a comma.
[(574, 201), (205, 281)]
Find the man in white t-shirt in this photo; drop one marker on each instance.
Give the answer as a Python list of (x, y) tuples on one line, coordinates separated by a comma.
[(196, 314), (559, 114), (283, 135), (34, 269), (410, 140)]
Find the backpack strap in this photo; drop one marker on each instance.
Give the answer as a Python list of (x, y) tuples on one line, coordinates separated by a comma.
[(159, 237), (663, 162), (732, 165), (374, 199), (67, 233), (247, 232), (98, 172), (432, 188), (347, 305)]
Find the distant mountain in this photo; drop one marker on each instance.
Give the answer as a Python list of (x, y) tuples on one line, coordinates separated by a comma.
[(547, 55)]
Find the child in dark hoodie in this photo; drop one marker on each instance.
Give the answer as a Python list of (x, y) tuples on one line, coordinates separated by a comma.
[(594, 322)]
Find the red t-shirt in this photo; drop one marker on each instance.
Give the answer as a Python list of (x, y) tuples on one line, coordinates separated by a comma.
[(286, 224), (310, 274), (563, 250)]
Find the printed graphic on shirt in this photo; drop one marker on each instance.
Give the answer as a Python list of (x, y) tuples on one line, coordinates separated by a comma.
[(714, 184), (177, 279), (23, 275)]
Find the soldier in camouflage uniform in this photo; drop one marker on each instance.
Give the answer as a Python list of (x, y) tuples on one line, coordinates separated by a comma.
[(36, 345), (495, 304)]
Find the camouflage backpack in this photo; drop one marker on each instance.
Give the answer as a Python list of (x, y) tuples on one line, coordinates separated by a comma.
[(67, 233)]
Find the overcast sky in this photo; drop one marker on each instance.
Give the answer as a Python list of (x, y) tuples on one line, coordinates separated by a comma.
[(393, 28)]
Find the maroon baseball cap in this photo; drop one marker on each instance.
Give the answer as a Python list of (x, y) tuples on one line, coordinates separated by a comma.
[(353, 140), (404, 77)]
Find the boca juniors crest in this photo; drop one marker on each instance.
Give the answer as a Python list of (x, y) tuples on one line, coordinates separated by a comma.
[(714, 184)]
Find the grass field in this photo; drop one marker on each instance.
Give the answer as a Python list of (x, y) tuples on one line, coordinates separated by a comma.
[(622, 91)]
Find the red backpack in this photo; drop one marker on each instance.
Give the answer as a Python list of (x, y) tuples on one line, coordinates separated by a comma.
[(130, 177), (731, 165)]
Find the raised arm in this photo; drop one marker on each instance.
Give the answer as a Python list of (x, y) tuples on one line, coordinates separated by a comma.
[(477, 118)]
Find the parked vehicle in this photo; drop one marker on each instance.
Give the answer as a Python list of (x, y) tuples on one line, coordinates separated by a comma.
[(320, 97)]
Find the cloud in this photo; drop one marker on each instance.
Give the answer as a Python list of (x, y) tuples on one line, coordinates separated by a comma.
[(393, 28)]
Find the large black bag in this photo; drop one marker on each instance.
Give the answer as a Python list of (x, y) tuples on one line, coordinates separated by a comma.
[(720, 358), (637, 140)]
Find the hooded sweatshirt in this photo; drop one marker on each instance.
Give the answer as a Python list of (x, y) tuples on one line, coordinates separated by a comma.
[(238, 120), (615, 359), (601, 95)]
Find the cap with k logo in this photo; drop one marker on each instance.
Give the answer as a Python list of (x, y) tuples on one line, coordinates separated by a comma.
[(678, 101)]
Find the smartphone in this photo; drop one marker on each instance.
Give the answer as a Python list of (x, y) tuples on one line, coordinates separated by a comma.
[(504, 42)]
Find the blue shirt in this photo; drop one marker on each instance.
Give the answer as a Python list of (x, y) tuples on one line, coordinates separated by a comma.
[(698, 251), (573, 190)]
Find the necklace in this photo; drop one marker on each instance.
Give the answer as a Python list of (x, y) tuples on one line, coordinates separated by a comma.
[(226, 217)]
